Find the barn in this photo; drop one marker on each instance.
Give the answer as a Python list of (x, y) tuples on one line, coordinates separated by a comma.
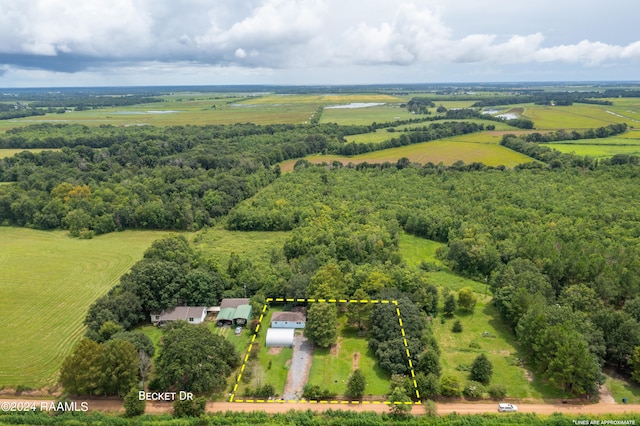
[(280, 337)]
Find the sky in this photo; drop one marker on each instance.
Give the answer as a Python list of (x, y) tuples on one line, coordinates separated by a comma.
[(58, 43)]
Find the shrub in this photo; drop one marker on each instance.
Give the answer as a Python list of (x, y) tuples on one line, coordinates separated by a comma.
[(497, 391), (133, 405), (457, 327), (473, 390), (430, 408), (189, 408), (450, 386)]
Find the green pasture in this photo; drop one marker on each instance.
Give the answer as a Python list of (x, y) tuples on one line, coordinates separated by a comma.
[(414, 249), (218, 244), (484, 332), (595, 150), (389, 112), (577, 116), (10, 152), (49, 280), (435, 152), (331, 369)]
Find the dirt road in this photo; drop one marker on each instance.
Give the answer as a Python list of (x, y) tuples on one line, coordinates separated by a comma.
[(114, 405)]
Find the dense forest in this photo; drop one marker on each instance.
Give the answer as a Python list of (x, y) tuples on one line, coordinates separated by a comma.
[(557, 239), (559, 248)]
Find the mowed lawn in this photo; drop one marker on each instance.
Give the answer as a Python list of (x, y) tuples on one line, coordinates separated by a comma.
[(331, 369), (47, 284)]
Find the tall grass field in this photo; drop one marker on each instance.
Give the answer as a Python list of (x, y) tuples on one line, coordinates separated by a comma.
[(47, 283)]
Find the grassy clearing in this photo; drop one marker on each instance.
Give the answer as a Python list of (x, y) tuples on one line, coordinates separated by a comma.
[(499, 345), (331, 371), (218, 244), (48, 282), (595, 150), (457, 348), (435, 152), (4, 153), (415, 250)]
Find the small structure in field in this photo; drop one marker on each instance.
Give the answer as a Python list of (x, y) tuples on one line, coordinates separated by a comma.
[(288, 320), (280, 337), (191, 314), (234, 311)]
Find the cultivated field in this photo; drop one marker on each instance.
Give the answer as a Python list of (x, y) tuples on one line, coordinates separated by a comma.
[(435, 152), (47, 283)]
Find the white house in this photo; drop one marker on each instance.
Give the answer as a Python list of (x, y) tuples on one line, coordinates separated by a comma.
[(191, 314), (288, 320), (280, 337)]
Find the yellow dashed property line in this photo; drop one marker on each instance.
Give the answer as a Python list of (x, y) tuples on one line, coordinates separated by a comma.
[(334, 402)]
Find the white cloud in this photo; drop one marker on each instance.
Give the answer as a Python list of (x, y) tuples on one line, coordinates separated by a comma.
[(298, 34)]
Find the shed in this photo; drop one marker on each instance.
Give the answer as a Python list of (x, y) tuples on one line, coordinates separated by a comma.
[(280, 337), (242, 314), (225, 316), (288, 320)]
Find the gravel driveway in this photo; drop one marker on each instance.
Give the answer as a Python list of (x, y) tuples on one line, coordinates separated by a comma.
[(299, 368)]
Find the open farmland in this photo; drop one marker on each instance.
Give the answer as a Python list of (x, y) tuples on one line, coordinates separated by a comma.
[(627, 143), (48, 282), (435, 152)]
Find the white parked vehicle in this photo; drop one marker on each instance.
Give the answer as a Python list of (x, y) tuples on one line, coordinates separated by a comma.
[(504, 407)]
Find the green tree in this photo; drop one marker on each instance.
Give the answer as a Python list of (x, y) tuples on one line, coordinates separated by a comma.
[(194, 359), (456, 327), (119, 367), (328, 283), (359, 314), (81, 371), (400, 402), (428, 385), (450, 305), (133, 405), (356, 385), (108, 329), (481, 369), (635, 364), (322, 324), (466, 299), (429, 363)]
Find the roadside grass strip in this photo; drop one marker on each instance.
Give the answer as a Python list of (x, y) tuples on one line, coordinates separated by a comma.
[(245, 360)]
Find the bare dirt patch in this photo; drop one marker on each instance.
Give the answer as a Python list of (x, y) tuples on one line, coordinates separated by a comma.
[(528, 376), (356, 361), (335, 349), (274, 351)]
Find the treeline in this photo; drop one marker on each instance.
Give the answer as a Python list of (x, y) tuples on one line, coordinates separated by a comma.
[(539, 245), (107, 178), (556, 159), (433, 132), (547, 98), (563, 135)]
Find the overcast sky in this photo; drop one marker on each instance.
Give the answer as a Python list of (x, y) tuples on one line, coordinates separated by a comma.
[(185, 42)]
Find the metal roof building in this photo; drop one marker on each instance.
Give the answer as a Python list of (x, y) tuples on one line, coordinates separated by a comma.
[(280, 337)]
